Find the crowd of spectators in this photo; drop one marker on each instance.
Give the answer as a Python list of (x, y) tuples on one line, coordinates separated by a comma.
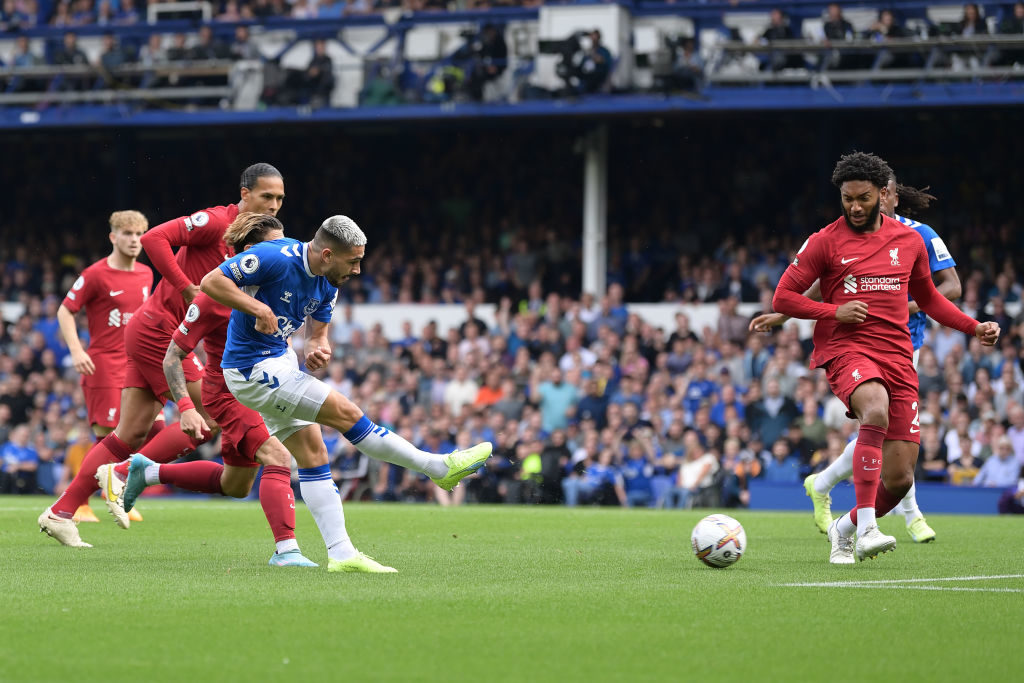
[(584, 400)]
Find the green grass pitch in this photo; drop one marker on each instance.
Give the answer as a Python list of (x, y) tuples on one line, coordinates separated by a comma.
[(502, 594)]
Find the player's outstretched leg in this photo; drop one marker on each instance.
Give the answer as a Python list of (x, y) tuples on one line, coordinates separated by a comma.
[(111, 487), (445, 470), (822, 503), (917, 527)]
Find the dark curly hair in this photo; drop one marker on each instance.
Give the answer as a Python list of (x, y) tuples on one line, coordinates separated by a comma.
[(912, 200), (251, 175), (862, 166)]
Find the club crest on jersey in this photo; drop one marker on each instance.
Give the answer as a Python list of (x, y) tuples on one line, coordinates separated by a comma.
[(249, 264), (192, 314), (311, 307), (894, 255)]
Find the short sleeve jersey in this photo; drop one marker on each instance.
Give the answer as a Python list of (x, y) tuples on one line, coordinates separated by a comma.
[(277, 273), (201, 236), (875, 268), (207, 321), (110, 298), (939, 258)]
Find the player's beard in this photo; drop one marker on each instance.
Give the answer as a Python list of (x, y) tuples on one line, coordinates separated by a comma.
[(869, 224)]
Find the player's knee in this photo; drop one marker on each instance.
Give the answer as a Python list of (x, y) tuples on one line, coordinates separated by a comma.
[(344, 413), (898, 483), (876, 415), (273, 454)]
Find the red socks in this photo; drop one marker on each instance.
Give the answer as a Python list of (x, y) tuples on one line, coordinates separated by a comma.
[(277, 501), (109, 449), (170, 444), (867, 464), (201, 476), (884, 502)]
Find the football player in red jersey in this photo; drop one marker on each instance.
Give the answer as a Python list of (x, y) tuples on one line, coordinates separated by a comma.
[(110, 291), (200, 238), (867, 264), (245, 441)]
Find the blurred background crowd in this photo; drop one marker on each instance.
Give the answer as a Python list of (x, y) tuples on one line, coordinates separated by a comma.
[(585, 400)]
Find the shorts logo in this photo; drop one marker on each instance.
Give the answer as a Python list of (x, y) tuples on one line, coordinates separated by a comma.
[(850, 284), (145, 293), (79, 283), (192, 314), (111, 413), (249, 264), (311, 307), (894, 255), (856, 375)]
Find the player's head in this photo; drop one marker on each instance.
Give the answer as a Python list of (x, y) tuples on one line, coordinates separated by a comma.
[(339, 246), (126, 230), (262, 189), (862, 180), (252, 228), (910, 200)]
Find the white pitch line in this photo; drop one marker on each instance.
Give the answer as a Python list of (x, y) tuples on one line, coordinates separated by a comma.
[(840, 584), (916, 587)]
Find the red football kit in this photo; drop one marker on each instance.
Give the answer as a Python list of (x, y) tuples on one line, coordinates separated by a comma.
[(243, 431), (201, 241), (110, 298), (879, 269)]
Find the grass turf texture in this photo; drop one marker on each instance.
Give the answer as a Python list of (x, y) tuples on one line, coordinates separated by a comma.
[(498, 594)]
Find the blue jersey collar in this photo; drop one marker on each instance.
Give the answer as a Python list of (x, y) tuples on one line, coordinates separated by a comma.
[(305, 259)]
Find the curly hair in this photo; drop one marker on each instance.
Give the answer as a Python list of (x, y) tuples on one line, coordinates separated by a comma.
[(912, 200), (249, 228), (862, 166)]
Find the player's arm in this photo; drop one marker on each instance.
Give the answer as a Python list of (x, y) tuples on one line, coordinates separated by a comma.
[(766, 321), (941, 310), (807, 267), (159, 243), (79, 358), (947, 281), (192, 423), (318, 345), (222, 289)]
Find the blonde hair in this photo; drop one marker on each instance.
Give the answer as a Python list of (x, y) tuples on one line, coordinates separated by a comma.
[(126, 220), (249, 228)]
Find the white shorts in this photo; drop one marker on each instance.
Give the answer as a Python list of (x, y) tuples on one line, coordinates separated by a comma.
[(287, 398)]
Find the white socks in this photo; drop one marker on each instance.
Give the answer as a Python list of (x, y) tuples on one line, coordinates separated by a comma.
[(321, 497), (383, 444), (152, 473), (908, 506), (841, 469)]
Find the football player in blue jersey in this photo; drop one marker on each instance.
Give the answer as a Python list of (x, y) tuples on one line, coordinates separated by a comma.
[(273, 287), (943, 267)]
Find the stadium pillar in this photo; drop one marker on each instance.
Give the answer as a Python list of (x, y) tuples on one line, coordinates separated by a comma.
[(595, 210)]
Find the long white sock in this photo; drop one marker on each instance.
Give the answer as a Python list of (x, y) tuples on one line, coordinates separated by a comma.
[(321, 497), (865, 519), (908, 506), (846, 526), (383, 444), (839, 470)]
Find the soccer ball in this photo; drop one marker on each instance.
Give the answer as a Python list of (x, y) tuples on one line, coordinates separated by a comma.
[(718, 540)]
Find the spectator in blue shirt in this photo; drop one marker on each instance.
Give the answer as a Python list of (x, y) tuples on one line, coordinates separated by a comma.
[(601, 483), (727, 398), (1001, 468), (783, 467), (700, 388), (556, 399), (638, 468), (19, 463), (593, 405)]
